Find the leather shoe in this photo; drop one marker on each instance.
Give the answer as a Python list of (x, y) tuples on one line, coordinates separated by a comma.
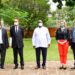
[(22, 67), (61, 67), (15, 67), (37, 67), (43, 67), (2, 67), (73, 67), (65, 68)]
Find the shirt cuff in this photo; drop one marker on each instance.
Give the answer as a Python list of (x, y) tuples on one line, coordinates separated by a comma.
[(10, 41)]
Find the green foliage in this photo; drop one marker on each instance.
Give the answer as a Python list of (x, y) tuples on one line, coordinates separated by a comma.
[(70, 23), (51, 22), (68, 14), (59, 3), (37, 9), (70, 3), (8, 14), (28, 11)]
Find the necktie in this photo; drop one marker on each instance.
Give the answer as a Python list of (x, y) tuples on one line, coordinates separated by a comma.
[(16, 29)]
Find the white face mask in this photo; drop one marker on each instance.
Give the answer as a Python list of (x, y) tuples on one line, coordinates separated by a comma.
[(16, 23), (40, 24)]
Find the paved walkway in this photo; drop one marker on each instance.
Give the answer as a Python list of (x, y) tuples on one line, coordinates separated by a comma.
[(52, 69)]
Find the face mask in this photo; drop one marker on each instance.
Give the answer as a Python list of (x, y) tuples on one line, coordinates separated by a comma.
[(16, 23), (62, 26), (40, 24)]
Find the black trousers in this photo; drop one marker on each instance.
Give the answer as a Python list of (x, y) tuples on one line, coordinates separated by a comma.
[(2, 55), (73, 49), (17, 51), (44, 54)]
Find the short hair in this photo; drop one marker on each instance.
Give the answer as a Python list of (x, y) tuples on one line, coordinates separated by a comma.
[(40, 21), (16, 19)]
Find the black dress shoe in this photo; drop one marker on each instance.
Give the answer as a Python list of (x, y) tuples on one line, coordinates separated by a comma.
[(43, 67), (37, 67), (73, 67), (22, 67), (15, 67), (64, 68), (61, 67), (2, 67)]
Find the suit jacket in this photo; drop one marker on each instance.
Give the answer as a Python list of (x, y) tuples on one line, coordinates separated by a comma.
[(5, 38), (17, 38)]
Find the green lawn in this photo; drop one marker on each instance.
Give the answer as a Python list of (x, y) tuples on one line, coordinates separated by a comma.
[(29, 52)]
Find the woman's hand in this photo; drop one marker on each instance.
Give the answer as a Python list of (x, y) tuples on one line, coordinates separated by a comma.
[(62, 42)]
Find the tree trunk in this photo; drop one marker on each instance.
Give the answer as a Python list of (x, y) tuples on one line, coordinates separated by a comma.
[(0, 2)]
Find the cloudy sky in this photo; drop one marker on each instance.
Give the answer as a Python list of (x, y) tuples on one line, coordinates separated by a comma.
[(54, 5)]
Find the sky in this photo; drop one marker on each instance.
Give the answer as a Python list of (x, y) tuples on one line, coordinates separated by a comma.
[(54, 5)]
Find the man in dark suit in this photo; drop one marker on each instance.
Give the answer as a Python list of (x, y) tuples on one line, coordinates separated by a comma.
[(3, 45), (17, 34)]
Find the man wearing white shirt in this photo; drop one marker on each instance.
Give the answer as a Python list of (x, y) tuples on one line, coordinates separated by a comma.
[(41, 41), (3, 45)]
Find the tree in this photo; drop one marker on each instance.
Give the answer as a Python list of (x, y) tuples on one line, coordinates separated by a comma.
[(70, 3), (2, 2), (37, 9)]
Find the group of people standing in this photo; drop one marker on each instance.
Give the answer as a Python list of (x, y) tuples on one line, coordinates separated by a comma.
[(41, 40), (16, 42)]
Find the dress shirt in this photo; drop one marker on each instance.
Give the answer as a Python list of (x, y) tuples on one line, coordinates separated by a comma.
[(41, 37), (16, 28), (1, 41)]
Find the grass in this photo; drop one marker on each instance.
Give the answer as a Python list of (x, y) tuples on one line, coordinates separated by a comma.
[(29, 52)]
